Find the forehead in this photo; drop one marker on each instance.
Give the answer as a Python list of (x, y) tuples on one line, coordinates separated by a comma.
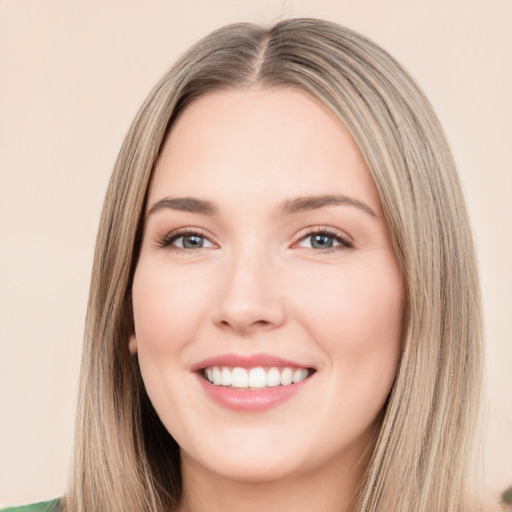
[(275, 142)]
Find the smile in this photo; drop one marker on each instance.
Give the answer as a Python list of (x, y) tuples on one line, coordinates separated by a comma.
[(254, 378), (252, 382)]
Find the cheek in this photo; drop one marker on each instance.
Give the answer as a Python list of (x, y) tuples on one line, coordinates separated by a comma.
[(166, 313), (356, 300), (167, 306), (356, 317)]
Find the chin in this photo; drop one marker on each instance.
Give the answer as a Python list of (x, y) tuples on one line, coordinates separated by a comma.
[(252, 469)]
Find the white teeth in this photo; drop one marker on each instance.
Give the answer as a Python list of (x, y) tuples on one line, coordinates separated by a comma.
[(239, 378), (257, 378), (286, 377), (254, 378), (273, 377), (226, 376), (217, 376), (299, 375)]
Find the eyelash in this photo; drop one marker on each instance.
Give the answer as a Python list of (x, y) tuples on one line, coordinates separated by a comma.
[(324, 231), (171, 237)]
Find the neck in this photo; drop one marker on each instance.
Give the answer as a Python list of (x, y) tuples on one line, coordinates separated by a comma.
[(333, 488)]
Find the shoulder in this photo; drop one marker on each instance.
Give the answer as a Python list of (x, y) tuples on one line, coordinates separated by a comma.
[(45, 506)]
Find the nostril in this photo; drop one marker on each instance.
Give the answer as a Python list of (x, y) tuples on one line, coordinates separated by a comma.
[(240, 324)]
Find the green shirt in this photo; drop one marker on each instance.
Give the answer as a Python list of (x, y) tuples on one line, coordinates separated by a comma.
[(45, 506)]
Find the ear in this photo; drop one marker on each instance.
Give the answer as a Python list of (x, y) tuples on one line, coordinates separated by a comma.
[(132, 344)]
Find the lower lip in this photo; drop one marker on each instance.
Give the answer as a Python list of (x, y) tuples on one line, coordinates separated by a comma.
[(251, 400)]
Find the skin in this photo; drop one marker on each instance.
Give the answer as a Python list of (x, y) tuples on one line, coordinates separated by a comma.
[(259, 284)]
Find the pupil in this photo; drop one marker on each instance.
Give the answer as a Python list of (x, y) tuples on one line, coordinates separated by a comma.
[(322, 241), (192, 242)]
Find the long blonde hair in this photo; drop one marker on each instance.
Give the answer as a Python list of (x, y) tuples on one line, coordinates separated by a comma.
[(124, 459)]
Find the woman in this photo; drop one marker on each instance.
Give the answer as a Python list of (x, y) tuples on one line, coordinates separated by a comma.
[(284, 307)]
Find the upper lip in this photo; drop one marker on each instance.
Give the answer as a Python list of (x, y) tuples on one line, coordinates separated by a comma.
[(245, 361)]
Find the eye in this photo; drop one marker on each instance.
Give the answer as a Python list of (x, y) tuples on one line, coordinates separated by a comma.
[(188, 239), (324, 240)]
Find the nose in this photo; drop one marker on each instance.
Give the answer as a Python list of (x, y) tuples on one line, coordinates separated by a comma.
[(251, 298)]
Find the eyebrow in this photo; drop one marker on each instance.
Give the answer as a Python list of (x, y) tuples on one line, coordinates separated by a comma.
[(287, 207), (301, 204), (184, 204)]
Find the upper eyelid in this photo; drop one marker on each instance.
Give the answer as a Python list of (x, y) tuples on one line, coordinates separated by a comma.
[(175, 234), (312, 230)]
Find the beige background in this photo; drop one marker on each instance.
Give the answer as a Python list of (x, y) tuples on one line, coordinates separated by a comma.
[(72, 75)]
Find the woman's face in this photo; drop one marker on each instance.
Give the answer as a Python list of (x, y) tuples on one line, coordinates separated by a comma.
[(266, 260)]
